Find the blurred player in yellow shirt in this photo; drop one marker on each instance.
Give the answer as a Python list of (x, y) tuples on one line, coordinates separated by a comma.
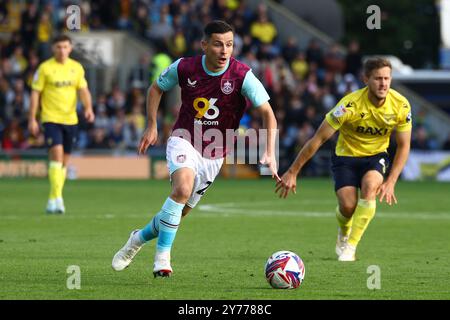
[(365, 120), (54, 88)]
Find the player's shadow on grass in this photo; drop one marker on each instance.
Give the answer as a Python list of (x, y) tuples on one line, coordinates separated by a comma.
[(327, 259), (268, 287)]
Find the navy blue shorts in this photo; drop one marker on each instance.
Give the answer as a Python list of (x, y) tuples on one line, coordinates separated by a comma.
[(349, 171), (56, 134)]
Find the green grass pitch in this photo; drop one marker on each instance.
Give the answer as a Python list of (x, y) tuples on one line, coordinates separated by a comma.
[(222, 246)]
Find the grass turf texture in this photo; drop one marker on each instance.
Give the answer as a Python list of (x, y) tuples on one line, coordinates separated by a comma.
[(222, 246)]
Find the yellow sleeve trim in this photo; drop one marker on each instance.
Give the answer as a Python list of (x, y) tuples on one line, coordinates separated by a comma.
[(36, 88), (404, 128), (332, 122)]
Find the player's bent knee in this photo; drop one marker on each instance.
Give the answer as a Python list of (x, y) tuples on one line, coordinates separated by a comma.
[(56, 153), (181, 194), (347, 209), (369, 192)]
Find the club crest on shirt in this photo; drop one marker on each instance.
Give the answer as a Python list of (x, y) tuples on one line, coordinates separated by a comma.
[(227, 86), (340, 111), (181, 158)]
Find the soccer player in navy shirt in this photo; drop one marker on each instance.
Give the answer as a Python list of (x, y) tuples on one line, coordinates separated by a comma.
[(214, 89)]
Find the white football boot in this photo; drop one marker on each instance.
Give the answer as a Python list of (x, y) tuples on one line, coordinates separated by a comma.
[(59, 206), (161, 266), (348, 254), (340, 242), (124, 256), (51, 206)]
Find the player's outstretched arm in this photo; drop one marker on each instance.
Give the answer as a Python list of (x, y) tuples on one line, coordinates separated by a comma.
[(150, 135), (289, 179), (33, 126), (386, 190), (269, 123)]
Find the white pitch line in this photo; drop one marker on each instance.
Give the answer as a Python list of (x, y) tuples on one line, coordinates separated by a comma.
[(231, 208)]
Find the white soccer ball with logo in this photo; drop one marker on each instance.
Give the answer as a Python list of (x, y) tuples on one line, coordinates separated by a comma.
[(284, 270)]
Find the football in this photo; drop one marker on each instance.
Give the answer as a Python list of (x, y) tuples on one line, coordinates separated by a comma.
[(284, 270)]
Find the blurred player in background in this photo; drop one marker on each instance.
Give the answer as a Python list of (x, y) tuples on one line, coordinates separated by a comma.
[(214, 88), (54, 88), (365, 119)]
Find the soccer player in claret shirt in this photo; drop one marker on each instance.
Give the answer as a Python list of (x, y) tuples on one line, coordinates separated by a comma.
[(365, 120), (214, 88), (55, 86)]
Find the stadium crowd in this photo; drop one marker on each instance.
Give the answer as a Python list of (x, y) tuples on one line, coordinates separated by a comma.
[(303, 83)]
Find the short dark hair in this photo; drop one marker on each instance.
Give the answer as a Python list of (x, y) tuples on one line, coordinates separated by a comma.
[(374, 64), (61, 38), (216, 26)]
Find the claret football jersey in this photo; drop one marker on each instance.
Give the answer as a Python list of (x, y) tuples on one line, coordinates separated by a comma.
[(211, 102)]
